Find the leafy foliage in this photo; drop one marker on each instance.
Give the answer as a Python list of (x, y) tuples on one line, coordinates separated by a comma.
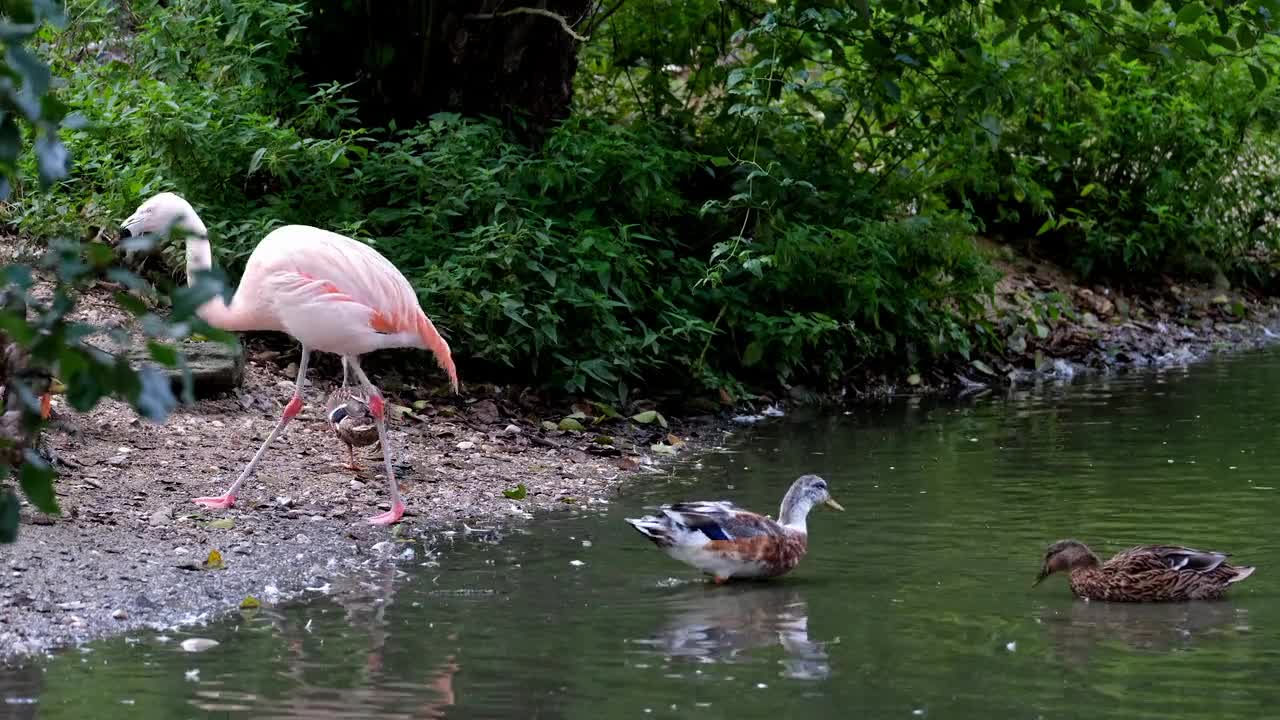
[(582, 263), (750, 192), (50, 338)]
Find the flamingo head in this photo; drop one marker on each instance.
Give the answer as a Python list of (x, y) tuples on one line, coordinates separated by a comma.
[(160, 215)]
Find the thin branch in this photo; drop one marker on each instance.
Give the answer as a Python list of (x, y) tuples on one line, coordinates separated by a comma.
[(530, 11), (601, 15)]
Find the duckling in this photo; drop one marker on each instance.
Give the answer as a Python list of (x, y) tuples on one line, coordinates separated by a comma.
[(352, 421), (1146, 573), (726, 541)]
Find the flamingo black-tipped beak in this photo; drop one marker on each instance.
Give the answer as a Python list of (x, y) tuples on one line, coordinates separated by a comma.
[(831, 503), (125, 232)]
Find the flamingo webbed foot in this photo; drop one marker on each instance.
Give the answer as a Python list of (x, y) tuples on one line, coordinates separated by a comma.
[(389, 517), (221, 502)]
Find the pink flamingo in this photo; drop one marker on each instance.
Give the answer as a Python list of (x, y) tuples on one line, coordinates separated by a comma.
[(329, 292)]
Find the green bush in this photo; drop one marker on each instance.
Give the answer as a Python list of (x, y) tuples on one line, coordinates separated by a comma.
[(613, 256), (1127, 165)]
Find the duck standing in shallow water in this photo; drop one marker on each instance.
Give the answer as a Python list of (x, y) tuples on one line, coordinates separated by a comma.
[(1146, 573), (725, 541)]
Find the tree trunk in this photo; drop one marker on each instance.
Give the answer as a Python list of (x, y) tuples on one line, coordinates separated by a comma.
[(411, 59)]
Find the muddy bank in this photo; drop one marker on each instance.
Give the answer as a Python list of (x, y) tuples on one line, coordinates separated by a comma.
[(1051, 327), (130, 550)]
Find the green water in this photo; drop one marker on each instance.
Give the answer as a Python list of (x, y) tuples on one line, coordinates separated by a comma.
[(914, 603)]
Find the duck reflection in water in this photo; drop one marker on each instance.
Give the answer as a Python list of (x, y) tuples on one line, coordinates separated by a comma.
[(1075, 632), (725, 626)]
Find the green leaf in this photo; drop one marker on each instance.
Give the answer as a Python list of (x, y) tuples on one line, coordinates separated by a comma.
[(256, 161), (155, 398), (983, 367), (519, 492), (570, 424), (1245, 37), (753, 353), (35, 74), (648, 417), (214, 561), (36, 479), (1190, 13), (10, 140), (250, 603), (9, 516), (164, 354), (52, 160), (1259, 77)]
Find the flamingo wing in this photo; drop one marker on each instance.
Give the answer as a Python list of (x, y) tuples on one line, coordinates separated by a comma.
[(339, 295)]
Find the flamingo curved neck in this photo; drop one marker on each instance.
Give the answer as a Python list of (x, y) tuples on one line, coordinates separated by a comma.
[(215, 311)]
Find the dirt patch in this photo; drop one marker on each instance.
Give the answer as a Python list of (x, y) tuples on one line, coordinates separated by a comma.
[(130, 548)]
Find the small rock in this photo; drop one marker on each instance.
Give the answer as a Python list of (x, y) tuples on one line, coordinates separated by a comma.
[(510, 430), (215, 368), (161, 516), (117, 460), (120, 614), (466, 445), (485, 411), (198, 644)]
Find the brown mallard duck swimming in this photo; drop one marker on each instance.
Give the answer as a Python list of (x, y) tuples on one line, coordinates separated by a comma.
[(1146, 573), (352, 421), (726, 541)]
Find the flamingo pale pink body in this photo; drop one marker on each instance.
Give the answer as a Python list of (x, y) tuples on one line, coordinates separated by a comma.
[(328, 291)]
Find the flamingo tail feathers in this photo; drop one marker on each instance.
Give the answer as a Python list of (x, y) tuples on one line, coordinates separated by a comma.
[(432, 341)]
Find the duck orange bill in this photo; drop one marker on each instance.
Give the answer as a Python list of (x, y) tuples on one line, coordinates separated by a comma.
[(46, 406), (833, 504)]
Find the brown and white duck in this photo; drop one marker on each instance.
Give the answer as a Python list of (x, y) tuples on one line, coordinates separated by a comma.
[(726, 541)]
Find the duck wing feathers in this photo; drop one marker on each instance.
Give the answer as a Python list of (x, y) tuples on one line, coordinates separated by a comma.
[(1166, 557), (721, 520)]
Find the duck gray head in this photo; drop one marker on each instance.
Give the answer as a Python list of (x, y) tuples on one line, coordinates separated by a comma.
[(805, 492)]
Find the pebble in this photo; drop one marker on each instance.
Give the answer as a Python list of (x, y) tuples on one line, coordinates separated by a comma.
[(120, 614), (161, 516), (198, 644)]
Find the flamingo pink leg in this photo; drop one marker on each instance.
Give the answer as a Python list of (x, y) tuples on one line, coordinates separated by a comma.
[(225, 500), (378, 407)]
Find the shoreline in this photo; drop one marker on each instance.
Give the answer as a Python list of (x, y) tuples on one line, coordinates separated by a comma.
[(128, 552)]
